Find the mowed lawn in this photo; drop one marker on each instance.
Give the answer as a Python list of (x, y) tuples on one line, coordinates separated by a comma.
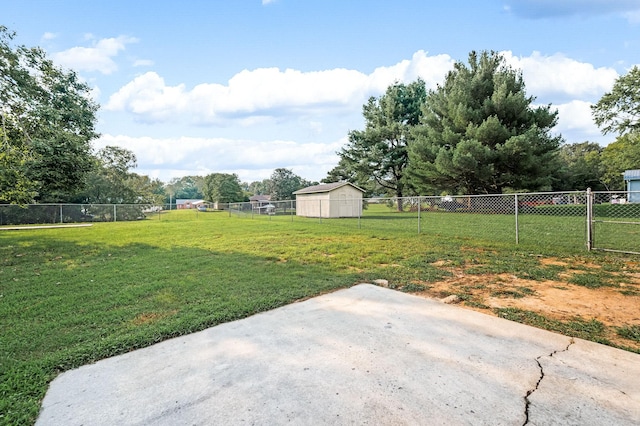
[(72, 296)]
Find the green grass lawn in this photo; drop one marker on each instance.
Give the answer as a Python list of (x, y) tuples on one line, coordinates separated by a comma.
[(72, 296)]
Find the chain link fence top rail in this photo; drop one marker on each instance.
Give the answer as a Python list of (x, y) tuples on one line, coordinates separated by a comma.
[(557, 219)]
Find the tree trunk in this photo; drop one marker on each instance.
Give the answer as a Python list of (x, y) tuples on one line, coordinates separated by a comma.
[(399, 200)]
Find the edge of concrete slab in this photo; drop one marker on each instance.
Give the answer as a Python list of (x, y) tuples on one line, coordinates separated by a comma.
[(363, 354)]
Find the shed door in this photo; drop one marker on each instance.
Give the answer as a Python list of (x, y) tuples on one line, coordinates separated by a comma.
[(345, 206)]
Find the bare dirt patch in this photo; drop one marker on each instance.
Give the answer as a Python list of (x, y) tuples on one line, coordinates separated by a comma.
[(615, 305)]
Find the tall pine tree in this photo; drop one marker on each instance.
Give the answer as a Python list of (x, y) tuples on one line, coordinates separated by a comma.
[(479, 133)]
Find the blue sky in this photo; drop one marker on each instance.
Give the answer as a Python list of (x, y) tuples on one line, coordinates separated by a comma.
[(246, 86)]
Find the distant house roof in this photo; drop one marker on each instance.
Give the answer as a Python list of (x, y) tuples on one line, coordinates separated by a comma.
[(325, 187), (260, 198), (188, 201), (632, 175)]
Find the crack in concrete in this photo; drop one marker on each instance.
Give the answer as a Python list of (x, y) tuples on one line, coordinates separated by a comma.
[(527, 402)]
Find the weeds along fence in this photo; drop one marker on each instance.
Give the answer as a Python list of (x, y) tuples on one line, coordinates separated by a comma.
[(573, 220)]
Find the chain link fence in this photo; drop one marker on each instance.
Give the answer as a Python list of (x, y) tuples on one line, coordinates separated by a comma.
[(593, 220), (557, 219), (33, 214), (267, 210)]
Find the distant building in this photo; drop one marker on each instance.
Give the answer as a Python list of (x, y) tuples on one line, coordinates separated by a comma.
[(189, 204), (632, 178), (331, 200), (261, 204)]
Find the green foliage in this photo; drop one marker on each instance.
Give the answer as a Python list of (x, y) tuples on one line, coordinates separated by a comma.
[(618, 111), (480, 134), (223, 188), (515, 293), (112, 182), (259, 187), (48, 121), (375, 158), (14, 186), (186, 187), (580, 167), (621, 155), (590, 280), (631, 332), (584, 329), (107, 183), (283, 183), (617, 211)]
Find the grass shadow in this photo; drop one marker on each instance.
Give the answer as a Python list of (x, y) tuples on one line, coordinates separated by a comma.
[(68, 303)]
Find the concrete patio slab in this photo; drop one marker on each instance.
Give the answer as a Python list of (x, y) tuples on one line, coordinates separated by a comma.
[(364, 355)]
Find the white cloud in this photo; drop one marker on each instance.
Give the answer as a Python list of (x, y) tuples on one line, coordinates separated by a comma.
[(633, 17), (266, 2), (575, 123), (143, 63), (96, 58), (557, 75), (95, 93), (49, 36), (165, 158), (536, 9), (270, 92), (576, 115), (258, 96), (149, 96)]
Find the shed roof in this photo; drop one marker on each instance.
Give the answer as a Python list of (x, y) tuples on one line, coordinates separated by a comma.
[(632, 175), (325, 187)]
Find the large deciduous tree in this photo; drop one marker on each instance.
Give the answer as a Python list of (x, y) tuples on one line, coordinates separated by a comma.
[(621, 155), (223, 188), (259, 187), (580, 167), (113, 182), (186, 187), (47, 118), (479, 133), (376, 157), (283, 183), (618, 111)]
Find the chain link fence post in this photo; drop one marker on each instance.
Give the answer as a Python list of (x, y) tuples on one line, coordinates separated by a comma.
[(516, 215), (589, 219), (419, 221)]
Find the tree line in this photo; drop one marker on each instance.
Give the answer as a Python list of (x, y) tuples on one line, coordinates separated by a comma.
[(227, 187), (478, 132)]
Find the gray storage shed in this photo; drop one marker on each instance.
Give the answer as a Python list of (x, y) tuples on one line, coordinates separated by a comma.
[(331, 200), (632, 178)]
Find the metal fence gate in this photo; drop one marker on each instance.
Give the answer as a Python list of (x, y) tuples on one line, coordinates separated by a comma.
[(613, 222)]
